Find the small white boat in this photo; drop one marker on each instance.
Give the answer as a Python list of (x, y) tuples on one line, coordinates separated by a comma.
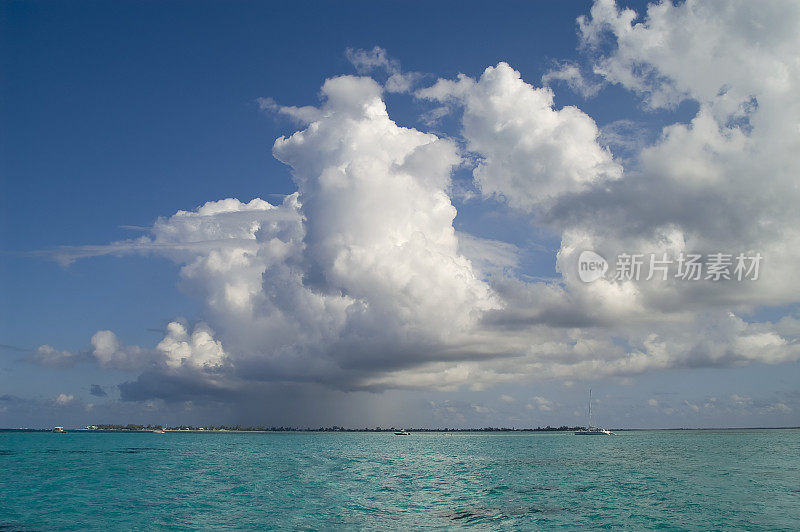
[(158, 431), (60, 430), (594, 431), (402, 433), (590, 430)]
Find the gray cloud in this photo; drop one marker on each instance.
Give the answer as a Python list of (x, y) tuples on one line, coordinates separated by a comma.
[(97, 391)]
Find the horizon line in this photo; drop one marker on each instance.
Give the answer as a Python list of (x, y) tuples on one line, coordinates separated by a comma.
[(335, 428)]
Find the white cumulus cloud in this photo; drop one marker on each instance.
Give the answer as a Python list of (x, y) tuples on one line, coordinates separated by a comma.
[(529, 151), (359, 279), (64, 399)]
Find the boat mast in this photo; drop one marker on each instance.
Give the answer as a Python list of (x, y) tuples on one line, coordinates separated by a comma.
[(590, 407)]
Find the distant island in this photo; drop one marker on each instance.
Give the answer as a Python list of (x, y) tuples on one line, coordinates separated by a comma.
[(131, 427), (334, 428)]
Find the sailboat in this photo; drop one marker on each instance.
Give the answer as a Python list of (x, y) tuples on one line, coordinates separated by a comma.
[(590, 430)]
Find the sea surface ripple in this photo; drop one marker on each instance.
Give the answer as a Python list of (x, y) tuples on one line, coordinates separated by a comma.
[(668, 480)]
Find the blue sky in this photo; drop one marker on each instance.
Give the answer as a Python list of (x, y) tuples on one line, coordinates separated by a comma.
[(116, 114)]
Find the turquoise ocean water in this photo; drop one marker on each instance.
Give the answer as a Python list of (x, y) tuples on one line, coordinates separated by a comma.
[(673, 480)]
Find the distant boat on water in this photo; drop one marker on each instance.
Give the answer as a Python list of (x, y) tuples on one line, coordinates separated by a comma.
[(402, 433), (590, 430), (59, 430), (158, 431)]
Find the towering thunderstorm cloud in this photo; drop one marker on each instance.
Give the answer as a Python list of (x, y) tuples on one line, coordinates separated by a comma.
[(359, 281)]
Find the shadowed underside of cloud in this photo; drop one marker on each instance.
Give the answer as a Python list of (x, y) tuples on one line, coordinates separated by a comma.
[(97, 391), (358, 280)]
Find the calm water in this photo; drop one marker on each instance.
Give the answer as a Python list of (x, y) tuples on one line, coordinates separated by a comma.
[(681, 480)]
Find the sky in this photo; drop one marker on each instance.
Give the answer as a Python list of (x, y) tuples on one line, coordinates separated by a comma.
[(388, 214)]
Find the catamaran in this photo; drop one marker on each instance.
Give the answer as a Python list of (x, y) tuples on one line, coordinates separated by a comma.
[(590, 430)]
